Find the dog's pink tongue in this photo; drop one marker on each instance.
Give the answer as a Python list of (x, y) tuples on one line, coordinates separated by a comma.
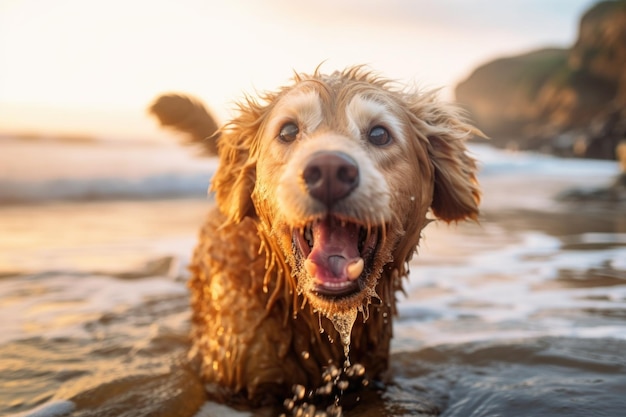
[(335, 254)]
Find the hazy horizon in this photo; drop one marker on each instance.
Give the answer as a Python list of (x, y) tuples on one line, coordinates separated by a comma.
[(91, 68)]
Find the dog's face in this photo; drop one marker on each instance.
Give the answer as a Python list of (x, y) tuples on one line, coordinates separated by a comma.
[(341, 171)]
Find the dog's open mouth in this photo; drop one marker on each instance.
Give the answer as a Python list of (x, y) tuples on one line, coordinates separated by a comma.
[(337, 255)]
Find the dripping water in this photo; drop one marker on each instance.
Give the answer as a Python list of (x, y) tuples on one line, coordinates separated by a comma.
[(343, 323)]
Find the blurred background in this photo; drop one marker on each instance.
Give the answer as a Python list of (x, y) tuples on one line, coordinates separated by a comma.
[(89, 69), (99, 206)]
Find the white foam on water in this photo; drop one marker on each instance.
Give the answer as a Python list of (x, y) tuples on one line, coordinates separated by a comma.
[(57, 408), (40, 171), (211, 409), (59, 305)]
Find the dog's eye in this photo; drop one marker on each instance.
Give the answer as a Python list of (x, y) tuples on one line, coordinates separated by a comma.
[(289, 132), (379, 136)]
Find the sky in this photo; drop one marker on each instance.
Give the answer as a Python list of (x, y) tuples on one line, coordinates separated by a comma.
[(92, 67)]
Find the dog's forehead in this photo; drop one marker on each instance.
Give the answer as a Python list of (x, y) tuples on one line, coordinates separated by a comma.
[(300, 101), (363, 110), (302, 106), (335, 102)]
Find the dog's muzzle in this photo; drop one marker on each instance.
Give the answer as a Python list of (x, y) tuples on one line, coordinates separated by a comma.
[(336, 250)]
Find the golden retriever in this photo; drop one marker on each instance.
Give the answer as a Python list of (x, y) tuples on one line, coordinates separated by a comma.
[(322, 192)]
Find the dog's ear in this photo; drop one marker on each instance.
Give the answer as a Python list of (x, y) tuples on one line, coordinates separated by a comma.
[(456, 194), (234, 181)]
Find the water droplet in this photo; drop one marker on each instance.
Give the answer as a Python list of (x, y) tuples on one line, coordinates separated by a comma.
[(299, 391), (325, 389), (336, 411), (343, 385), (305, 354), (309, 410), (357, 370), (289, 404)]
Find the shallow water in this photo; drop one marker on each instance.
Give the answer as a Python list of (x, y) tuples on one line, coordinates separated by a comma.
[(522, 314)]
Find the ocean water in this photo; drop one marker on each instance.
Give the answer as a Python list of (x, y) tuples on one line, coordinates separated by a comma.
[(520, 314)]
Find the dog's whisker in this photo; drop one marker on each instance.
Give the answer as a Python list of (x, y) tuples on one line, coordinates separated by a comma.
[(383, 228)]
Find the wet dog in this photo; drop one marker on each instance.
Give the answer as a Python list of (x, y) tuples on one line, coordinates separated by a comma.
[(322, 192)]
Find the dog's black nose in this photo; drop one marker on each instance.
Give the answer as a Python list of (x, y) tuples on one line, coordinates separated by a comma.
[(330, 176)]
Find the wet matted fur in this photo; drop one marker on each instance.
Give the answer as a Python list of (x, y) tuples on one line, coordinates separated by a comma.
[(279, 258)]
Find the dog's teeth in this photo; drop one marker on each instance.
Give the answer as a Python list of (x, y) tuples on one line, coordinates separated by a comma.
[(310, 267), (354, 269), (308, 235)]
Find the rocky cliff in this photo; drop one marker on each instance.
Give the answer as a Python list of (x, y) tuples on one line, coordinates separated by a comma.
[(566, 101)]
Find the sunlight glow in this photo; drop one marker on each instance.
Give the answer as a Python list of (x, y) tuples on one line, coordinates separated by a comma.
[(117, 55)]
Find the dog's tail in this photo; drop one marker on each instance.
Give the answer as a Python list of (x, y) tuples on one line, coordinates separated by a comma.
[(188, 115)]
